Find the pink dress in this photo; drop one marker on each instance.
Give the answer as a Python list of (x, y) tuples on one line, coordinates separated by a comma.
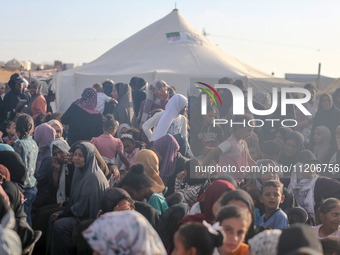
[(234, 155), (108, 146)]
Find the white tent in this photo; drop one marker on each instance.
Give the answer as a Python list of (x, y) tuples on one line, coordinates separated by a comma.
[(169, 49)]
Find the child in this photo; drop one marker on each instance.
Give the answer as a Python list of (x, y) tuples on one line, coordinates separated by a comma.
[(139, 186), (11, 137), (234, 150), (131, 146), (195, 238), (329, 214), (235, 223), (107, 145), (272, 197), (102, 98), (27, 148), (190, 186)]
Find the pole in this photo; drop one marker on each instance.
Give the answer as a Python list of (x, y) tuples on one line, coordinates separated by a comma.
[(318, 79)]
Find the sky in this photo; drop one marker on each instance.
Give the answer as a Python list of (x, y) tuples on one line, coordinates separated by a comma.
[(279, 37)]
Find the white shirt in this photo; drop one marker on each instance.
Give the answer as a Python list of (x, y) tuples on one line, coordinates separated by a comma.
[(101, 99)]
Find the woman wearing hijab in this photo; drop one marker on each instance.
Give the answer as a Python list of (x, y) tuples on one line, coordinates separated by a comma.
[(37, 105), (150, 161), (336, 156), (123, 233), (293, 145), (83, 118), (58, 127), (123, 112), (44, 135), (84, 202), (171, 162), (281, 136), (171, 121), (327, 115), (322, 140), (157, 96), (211, 196), (138, 86), (108, 87), (309, 188), (336, 99)]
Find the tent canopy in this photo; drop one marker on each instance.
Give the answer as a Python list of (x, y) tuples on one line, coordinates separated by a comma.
[(169, 49)]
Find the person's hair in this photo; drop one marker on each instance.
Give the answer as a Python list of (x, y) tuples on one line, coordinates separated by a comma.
[(149, 146), (328, 205), (50, 93), (9, 124), (210, 109), (112, 197), (271, 148), (134, 134), (272, 183), (253, 191), (194, 234), (51, 116), (24, 125), (98, 87), (241, 118), (136, 179), (231, 211), (110, 124), (309, 85), (330, 246)]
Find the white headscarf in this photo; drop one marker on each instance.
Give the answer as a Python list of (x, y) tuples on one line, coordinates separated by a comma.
[(321, 149), (123, 233), (172, 110), (265, 243)]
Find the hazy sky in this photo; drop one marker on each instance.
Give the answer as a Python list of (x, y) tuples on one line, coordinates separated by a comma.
[(290, 36)]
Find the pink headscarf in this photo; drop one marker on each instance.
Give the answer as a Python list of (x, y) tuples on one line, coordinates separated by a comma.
[(88, 101)]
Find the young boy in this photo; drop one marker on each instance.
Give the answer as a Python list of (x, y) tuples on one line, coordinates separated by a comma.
[(272, 197), (102, 98)]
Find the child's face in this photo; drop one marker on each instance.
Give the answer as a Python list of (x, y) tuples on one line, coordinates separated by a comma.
[(235, 230), (129, 146), (271, 198), (331, 219), (208, 119), (11, 130), (179, 247), (244, 132), (135, 195)]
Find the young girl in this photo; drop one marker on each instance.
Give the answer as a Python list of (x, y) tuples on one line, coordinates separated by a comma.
[(27, 148), (234, 150), (329, 214), (198, 239), (139, 186), (131, 146), (11, 133), (235, 222), (108, 146)]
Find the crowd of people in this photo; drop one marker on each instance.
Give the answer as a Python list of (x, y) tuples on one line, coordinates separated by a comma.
[(117, 173)]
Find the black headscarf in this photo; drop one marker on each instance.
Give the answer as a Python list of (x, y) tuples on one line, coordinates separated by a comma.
[(112, 197), (291, 160), (138, 95), (335, 102), (109, 107), (15, 166)]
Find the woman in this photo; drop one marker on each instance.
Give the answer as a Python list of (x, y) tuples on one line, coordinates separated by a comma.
[(327, 115), (171, 162), (213, 193), (37, 105), (58, 127), (83, 118), (281, 136), (336, 99), (138, 85), (157, 96), (293, 145), (309, 188), (322, 140), (110, 106), (123, 112), (149, 160), (125, 232), (44, 135), (84, 202), (171, 121)]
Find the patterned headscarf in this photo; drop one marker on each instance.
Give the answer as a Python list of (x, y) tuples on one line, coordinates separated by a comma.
[(265, 243), (123, 233), (88, 101)]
